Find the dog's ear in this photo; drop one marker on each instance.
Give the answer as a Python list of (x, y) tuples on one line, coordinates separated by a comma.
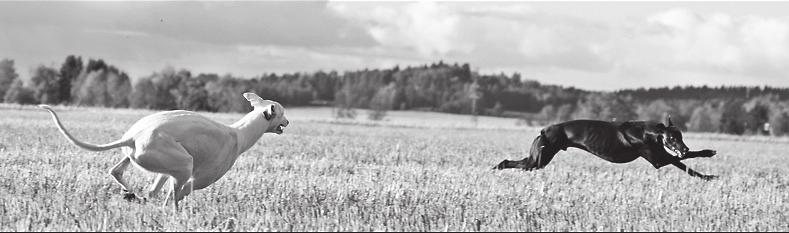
[(668, 120), (253, 99), (269, 112)]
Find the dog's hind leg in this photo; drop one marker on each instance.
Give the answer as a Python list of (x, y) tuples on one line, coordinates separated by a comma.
[(161, 153), (541, 153), (117, 173), (509, 164), (157, 185), (167, 198)]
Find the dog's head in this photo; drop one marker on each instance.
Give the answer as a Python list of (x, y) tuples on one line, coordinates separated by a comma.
[(270, 111), (672, 138)]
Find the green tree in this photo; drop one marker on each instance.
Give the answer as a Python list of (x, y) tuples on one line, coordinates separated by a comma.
[(656, 110), (704, 119), (118, 89), (548, 114), (733, 118), (93, 90), (100, 84), (143, 94), (78, 82), (779, 122), (382, 102), (69, 71), (756, 118), (224, 95), (46, 88), (564, 113), (606, 107), (166, 84), (344, 101), (191, 93), (7, 76), (19, 94)]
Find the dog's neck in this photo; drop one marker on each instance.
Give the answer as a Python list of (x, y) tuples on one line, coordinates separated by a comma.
[(249, 129)]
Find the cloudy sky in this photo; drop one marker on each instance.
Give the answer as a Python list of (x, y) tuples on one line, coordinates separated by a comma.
[(590, 45)]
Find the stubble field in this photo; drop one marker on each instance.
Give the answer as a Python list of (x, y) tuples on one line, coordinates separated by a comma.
[(412, 172)]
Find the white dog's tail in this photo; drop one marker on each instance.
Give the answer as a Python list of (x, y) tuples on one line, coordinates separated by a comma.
[(115, 144)]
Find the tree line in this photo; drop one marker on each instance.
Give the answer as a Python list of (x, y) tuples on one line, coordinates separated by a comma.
[(442, 87)]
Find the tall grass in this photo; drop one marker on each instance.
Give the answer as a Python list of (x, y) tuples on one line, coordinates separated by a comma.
[(327, 176)]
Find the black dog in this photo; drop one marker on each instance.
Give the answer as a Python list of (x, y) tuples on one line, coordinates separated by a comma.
[(614, 142)]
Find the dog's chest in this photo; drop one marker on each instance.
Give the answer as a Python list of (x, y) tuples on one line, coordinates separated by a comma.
[(207, 176), (212, 159)]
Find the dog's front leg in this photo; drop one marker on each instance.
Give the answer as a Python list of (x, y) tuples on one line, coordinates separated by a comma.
[(185, 190), (691, 172), (658, 157), (167, 198), (699, 154), (157, 185)]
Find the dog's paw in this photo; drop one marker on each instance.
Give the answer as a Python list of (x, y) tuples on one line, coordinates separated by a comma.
[(708, 153), (501, 165), (129, 196), (709, 177)]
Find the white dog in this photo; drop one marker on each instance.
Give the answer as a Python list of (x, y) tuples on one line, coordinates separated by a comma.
[(189, 148)]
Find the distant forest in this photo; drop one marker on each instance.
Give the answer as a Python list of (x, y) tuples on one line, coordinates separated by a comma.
[(442, 87)]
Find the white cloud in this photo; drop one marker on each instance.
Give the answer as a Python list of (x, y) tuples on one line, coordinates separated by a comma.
[(766, 41), (714, 43), (429, 28), (498, 35), (673, 44), (665, 47)]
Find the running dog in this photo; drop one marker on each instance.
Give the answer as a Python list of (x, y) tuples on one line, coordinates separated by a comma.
[(188, 148), (614, 142)]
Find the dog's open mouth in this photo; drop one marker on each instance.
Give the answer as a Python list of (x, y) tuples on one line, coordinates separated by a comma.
[(672, 149), (280, 128), (675, 152)]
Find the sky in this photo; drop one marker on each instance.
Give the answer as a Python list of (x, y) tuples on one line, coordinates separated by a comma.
[(588, 45)]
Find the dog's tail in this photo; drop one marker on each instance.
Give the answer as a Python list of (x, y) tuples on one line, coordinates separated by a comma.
[(87, 146)]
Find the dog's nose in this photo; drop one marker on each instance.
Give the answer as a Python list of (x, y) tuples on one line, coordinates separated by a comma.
[(286, 123)]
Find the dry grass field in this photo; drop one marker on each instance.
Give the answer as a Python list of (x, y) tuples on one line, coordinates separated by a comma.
[(412, 172)]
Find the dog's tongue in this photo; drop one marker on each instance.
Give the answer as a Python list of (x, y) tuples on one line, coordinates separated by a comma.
[(673, 152)]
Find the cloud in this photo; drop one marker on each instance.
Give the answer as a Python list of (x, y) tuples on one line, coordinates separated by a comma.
[(505, 34), (673, 44), (281, 23), (714, 43), (664, 47), (428, 28), (281, 58)]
